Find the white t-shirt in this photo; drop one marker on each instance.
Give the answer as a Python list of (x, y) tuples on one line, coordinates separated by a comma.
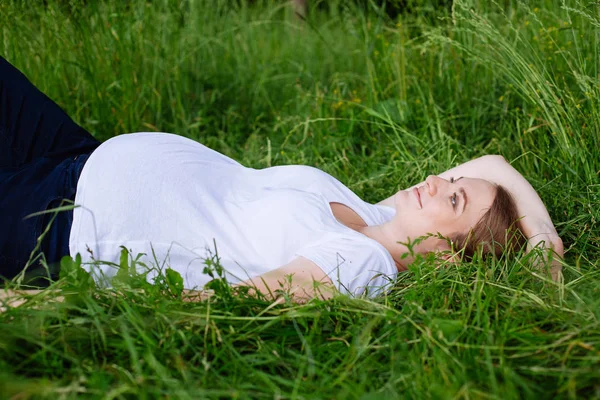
[(179, 203)]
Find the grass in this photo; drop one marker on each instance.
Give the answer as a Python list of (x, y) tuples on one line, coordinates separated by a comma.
[(379, 104)]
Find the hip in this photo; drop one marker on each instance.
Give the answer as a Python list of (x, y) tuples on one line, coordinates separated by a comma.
[(30, 226)]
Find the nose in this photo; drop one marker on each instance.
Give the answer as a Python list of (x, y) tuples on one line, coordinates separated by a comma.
[(434, 183)]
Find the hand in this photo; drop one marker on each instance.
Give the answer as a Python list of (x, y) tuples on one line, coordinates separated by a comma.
[(554, 249), (193, 296), (15, 298)]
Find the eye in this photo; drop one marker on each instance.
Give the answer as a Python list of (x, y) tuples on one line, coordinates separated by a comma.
[(453, 200), (452, 180)]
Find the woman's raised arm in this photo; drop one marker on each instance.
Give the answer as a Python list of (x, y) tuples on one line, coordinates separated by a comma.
[(536, 222)]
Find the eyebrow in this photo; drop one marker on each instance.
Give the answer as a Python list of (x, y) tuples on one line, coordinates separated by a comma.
[(462, 191), (465, 198)]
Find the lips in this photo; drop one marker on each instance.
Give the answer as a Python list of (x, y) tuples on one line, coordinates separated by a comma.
[(418, 196)]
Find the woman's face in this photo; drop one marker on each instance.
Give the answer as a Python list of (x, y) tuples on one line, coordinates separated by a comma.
[(443, 206)]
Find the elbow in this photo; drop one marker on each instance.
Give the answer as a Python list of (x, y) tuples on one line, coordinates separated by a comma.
[(494, 159)]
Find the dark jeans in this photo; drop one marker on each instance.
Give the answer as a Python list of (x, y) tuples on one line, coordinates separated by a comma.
[(42, 153)]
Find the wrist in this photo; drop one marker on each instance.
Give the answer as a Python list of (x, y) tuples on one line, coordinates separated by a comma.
[(547, 241)]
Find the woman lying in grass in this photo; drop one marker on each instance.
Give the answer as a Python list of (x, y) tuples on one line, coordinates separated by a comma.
[(178, 203)]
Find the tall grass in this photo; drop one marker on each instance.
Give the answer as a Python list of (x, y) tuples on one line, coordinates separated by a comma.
[(379, 104)]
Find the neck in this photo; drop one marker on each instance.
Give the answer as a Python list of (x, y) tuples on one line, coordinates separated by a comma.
[(385, 235)]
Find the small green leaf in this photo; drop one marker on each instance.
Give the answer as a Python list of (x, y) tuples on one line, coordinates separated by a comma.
[(174, 282), (73, 273), (123, 271), (67, 267)]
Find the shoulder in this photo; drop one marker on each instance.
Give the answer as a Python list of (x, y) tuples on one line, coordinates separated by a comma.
[(310, 174)]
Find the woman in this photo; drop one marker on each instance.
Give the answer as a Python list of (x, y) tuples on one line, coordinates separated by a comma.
[(177, 203)]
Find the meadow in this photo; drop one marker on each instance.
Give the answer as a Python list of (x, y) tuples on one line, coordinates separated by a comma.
[(379, 103)]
